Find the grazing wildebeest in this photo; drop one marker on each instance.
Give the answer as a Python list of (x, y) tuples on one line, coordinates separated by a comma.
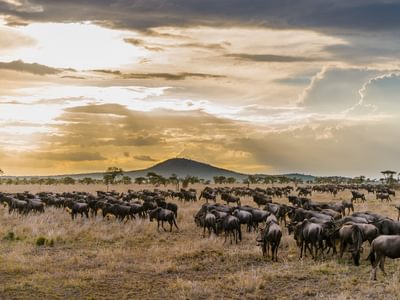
[(306, 234), (231, 226), (270, 237), (383, 246), (351, 235), (209, 222), (357, 195), (162, 214)]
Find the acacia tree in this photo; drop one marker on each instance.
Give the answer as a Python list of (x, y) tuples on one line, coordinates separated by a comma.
[(173, 179), (389, 176), (140, 180), (111, 175)]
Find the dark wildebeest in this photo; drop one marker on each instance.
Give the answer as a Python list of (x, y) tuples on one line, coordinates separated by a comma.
[(382, 246), (388, 227), (162, 214), (228, 198), (383, 196), (208, 195), (231, 226), (76, 208), (209, 222), (306, 234), (119, 211), (35, 205), (357, 195), (351, 235), (268, 237), (349, 205), (244, 217), (261, 199)]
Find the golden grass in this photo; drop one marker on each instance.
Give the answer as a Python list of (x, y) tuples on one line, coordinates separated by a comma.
[(106, 259)]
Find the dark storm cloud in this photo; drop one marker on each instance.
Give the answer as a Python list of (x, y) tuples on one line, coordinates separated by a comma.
[(349, 14), (144, 158), (163, 76), (34, 68), (272, 58), (69, 156)]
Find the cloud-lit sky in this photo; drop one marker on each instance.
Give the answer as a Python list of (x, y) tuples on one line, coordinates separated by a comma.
[(256, 86)]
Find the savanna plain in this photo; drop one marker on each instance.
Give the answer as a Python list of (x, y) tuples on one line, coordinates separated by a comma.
[(97, 258)]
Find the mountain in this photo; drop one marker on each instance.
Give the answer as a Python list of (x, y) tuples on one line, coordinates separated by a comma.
[(183, 167), (302, 177)]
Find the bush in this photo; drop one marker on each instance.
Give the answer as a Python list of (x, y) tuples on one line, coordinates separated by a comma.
[(40, 241), (10, 236)]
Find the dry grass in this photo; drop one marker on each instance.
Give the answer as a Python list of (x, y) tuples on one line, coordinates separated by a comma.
[(100, 259)]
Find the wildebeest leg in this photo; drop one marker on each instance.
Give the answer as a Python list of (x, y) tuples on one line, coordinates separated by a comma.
[(342, 247), (204, 231), (301, 249), (158, 225), (162, 225), (264, 247), (382, 265), (175, 223)]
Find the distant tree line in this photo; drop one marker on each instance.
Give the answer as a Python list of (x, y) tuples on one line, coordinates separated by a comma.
[(115, 175)]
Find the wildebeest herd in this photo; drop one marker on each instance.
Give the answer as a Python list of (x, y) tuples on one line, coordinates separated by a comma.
[(317, 227)]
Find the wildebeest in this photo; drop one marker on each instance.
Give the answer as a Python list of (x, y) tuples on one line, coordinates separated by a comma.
[(231, 226), (357, 195), (162, 214), (209, 222), (351, 235), (308, 236), (383, 246), (230, 198), (270, 237), (383, 196), (244, 217)]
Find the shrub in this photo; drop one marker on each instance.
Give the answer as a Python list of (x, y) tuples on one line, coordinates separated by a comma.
[(10, 236), (40, 241)]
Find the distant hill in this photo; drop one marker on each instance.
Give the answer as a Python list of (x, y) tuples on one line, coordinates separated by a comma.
[(301, 177), (183, 167)]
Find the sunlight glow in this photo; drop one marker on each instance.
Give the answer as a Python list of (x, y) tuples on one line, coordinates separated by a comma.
[(80, 46)]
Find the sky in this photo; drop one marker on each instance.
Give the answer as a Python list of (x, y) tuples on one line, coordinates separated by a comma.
[(258, 86)]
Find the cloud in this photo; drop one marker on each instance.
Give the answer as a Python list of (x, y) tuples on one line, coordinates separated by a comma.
[(352, 15), (34, 68), (163, 76), (144, 158), (69, 156), (273, 58), (334, 90)]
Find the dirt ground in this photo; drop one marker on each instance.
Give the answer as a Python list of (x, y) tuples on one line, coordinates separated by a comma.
[(106, 259)]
